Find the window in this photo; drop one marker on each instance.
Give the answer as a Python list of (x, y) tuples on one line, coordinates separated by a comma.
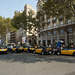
[(48, 21), (61, 16), (62, 31), (43, 35), (49, 33), (69, 30), (54, 32), (54, 18), (48, 26), (69, 21), (39, 35), (54, 24), (61, 23)]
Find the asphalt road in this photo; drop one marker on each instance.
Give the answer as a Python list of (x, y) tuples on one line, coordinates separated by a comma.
[(35, 64)]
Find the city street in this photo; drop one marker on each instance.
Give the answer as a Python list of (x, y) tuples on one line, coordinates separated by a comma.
[(36, 64)]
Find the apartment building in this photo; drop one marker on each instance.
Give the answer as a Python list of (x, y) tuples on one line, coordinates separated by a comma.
[(29, 36), (8, 37), (13, 37), (56, 29)]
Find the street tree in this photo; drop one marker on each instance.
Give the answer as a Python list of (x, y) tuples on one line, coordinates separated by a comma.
[(5, 25), (19, 20), (59, 7)]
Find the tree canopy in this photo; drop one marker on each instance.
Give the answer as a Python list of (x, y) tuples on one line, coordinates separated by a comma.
[(58, 7), (5, 25), (28, 22)]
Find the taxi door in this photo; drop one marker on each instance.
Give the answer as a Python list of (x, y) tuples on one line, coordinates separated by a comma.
[(13, 49), (26, 48), (70, 51), (38, 50), (65, 51)]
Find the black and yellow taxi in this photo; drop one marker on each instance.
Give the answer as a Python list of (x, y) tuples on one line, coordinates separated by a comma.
[(50, 50), (43, 50), (19, 49), (29, 48), (26, 49), (32, 48), (3, 49), (14, 49), (67, 51)]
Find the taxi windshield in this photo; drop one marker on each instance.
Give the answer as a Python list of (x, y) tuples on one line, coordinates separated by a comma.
[(14, 47), (71, 48), (21, 46), (2, 47)]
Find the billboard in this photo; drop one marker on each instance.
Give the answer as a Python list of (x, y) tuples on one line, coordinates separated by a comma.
[(23, 39)]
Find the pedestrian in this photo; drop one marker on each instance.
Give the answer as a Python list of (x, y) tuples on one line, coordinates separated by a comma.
[(11, 48)]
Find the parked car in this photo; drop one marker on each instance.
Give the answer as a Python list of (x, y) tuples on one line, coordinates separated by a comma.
[(14, 49), (43, 50), (9, 48), (50, 50), (3, 49), (66, 51), (29, 48), (26, 49), (19, 49)]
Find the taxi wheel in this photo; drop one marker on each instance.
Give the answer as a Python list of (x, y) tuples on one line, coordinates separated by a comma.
[(42, 53), (74, 54), (15, 51), (58, 53), (27, 51)]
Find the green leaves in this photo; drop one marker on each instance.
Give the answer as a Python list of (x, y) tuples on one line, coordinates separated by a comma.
[(58, 7), (5, 25), (19, 20)]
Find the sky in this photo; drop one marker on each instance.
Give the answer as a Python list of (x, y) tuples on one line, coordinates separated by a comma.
[(7, 7)]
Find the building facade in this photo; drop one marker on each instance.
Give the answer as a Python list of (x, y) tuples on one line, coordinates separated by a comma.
[(8, 37), (29, 36), (13, 37), (20, 33), (57, 29)]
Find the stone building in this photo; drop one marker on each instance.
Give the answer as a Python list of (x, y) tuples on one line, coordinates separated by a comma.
[(56, 29), (29, 36)]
